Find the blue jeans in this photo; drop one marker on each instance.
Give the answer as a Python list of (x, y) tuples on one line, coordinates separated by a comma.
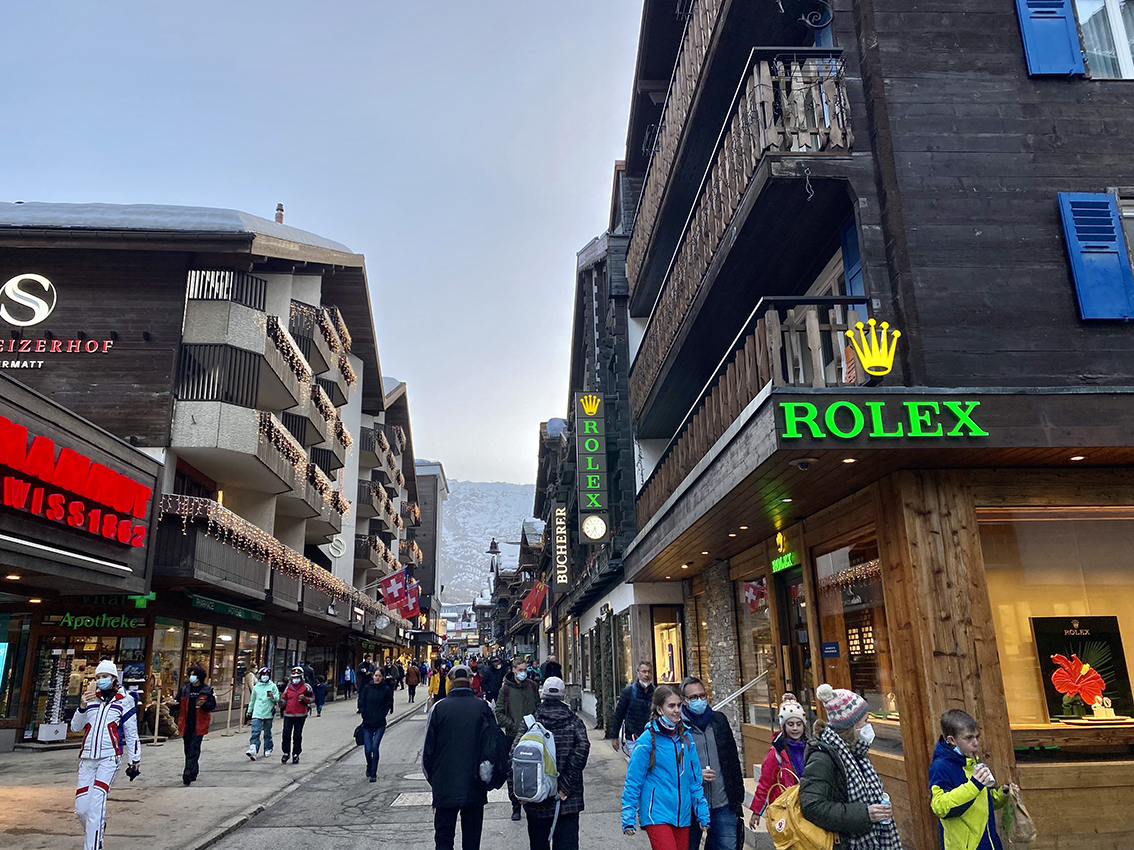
[(259, 726), (371, 739), (722, 831)]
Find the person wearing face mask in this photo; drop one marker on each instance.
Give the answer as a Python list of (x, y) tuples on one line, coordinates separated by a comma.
[(720, 768), (261, 710), (633, 709), (196, 712), (784, 763), (492, 679), (110, 717), (664, 789), (295, 705), (519, 697), (840, 790)]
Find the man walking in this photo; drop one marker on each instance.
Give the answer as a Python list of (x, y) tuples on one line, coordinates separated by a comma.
[(195, 713), (492, 678), (457, 762), (519, 697), (365, 673), (348, 682), (551, 669), (633, 709), (571, 752), (720, 769)]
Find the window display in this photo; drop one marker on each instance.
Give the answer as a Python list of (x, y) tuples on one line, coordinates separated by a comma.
[(669, 666), (757, 652), (169, 636), (14, 632)]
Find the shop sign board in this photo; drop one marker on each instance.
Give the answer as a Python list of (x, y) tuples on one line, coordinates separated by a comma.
[(26, 300), (787, 550), (591, 472), (85, 622), (562, 575), (225, 608), (888, 419), (829, 649)]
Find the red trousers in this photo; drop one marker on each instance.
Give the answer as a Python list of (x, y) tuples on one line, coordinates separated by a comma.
[(663, 836)]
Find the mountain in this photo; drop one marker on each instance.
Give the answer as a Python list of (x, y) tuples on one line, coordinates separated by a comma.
[(475, 512)]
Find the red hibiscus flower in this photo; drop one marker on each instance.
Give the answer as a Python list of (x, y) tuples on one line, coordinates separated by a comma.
[(1074, 678)]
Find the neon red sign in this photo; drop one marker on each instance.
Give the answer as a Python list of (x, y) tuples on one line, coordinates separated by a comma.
[(44, 474)]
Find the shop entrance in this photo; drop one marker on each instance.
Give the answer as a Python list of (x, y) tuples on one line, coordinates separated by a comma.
[(795, 646)]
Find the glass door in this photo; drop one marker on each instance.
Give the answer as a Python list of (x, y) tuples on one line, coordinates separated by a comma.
[(795, 646)]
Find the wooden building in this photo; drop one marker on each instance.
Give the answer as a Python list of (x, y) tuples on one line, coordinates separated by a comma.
[(239, 354), (937, 519)]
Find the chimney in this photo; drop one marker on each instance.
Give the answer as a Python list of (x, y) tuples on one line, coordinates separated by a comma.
[(279, 213)]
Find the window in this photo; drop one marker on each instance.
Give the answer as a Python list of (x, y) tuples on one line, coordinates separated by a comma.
[(199, 646), (669, 666), (1107, 26), (626, 673), (223, 673), (14, 634), (757, 652), (169, 635)]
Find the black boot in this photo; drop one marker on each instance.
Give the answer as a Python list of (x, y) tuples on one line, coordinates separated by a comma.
[(515, 811), (285, 758)]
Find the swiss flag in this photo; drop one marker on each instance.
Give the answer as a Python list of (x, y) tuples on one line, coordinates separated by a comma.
[(394, 593), (412, 605), (754, 594), (533, 602)]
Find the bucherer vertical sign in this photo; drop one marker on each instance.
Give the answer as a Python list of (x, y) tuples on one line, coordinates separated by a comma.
[(593, 482), (561, 542)]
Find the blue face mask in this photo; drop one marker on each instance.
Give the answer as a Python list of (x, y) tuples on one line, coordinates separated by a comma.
[(193, 679), (104, 683), (957, 750), (666, 723), (699, 705), (521, 675)]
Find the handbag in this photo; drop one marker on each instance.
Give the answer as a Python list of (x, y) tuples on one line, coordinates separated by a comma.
[(789, 829), (1017, 821), (358, 739)]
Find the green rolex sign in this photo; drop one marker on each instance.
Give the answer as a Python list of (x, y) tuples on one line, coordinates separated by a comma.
[(591, 473), (845, 419)]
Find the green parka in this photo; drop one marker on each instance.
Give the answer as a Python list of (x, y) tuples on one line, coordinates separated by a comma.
[(823, 793), (264, 697)]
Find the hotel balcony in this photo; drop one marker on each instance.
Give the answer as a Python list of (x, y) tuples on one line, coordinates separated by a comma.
[(334, 386), (372, 447), (369, 502), (371, 553), (187, 553), (773, 188), (410, 553), (315, 336), (328, 521), (411, 514), (388, 516), (319, 603), (236, 445)]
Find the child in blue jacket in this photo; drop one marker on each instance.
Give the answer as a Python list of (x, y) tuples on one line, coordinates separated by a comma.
[(663, 781), (963, 789)]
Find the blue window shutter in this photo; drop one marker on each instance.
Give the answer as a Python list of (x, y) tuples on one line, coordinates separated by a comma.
[(1100, 265), (1051, 37), (852, 259)]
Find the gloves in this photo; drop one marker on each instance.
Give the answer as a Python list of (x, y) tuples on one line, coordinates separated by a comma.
[(485, 771), (132, 770)]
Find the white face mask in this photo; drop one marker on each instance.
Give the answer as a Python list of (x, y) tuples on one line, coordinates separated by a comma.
[(866, 734), (297, 679), (193, 679), (265, 679)]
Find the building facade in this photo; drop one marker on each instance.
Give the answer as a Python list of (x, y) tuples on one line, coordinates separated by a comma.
[(239, 356), (433, 492)]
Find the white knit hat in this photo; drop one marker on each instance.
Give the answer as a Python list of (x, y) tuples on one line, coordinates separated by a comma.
[(789, 708), (106, 668)]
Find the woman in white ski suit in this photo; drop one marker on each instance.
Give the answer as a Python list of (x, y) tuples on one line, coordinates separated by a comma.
[(109, 716)]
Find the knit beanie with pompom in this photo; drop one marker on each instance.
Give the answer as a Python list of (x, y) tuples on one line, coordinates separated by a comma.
[(789, 708), (844, 708)]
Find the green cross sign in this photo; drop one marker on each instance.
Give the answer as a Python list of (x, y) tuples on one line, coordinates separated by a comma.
[(140, 601)]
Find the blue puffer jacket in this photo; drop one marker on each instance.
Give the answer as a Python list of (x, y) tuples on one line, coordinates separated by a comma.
[(672, 789)]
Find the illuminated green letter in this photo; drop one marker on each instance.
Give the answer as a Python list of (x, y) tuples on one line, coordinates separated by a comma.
[(856, 420), (877, 427), (919, 419), (590, 426), (792, 419), (964, 418)]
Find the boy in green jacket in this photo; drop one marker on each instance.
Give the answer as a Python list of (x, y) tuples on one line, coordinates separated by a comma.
[(261, 709), (964, 792)]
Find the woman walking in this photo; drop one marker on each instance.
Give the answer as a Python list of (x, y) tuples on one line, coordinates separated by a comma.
[(377, 701), (193, 717), (295, 704), (840, 790), (663, 781), (784, 763), (261, 710), (108, 715)]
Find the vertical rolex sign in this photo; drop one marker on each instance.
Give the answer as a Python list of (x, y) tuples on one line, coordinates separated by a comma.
[(591, 475)]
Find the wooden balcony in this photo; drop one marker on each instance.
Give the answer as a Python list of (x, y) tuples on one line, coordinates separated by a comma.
[(187, 553), (786, 342), (791, 105)]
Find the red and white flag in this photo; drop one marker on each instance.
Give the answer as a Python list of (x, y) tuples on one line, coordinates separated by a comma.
[(533, 602), (754, 594), (412, 606), (394, 591)]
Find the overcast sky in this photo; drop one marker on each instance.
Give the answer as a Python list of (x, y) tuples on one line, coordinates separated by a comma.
[(466, 148)]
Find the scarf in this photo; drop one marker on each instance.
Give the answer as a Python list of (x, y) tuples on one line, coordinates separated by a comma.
[(863, 786), (796, 750), (701, 721)]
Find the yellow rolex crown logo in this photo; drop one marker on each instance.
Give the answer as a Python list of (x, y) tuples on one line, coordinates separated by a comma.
[(875, 350), (781, 542), (590, 404)]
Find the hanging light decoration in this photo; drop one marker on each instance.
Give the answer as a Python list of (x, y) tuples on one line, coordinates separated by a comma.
[(347, 371), (327, 328), (323, 403), (289, 350), (273, 431), (340, 326), (343, 435)]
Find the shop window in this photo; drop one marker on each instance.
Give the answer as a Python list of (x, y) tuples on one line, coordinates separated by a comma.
[(1062, 593), (247, 659), (223, 671), (669, 664), (199, 646), (132, 662), (855, 646), (587, 679), (757, 652), (14, 635), (627, 670), (169, 637)]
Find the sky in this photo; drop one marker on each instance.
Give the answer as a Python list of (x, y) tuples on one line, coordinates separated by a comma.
[(466, 148)]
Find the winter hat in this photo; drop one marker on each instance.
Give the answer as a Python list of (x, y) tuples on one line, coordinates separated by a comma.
[(106, 668), (789, 708), (844, 708), (553, 688)]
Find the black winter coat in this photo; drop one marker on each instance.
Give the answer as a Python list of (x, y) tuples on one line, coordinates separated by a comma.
[(491, 680), (549, 669), (459, 736), (728, 761), (376, 702), (633, 708), (823, 793), (572, 748)]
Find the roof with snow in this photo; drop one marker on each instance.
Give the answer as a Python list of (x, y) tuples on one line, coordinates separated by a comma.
[(154, 218)]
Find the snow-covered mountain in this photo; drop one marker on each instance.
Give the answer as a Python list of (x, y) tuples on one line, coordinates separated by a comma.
[(475, 512)]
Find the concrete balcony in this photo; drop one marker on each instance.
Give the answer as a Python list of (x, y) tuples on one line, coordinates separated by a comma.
[(368, 504), (411, 514), (314, 335), (368, 552), (410, 553), (317, 603), (372, 447), (237, 446), (284, 592)]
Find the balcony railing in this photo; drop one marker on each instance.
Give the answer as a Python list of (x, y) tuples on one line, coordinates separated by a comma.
[(410, 553), (400, 439), (702, 20), (187, 550), (785, 342), (368, 502), (323, 404), (335, 390), (411, 513), (791, 102), (336, 319), (286, 346), (227, 285)]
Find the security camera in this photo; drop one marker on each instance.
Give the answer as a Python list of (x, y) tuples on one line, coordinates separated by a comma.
[(805, 462)]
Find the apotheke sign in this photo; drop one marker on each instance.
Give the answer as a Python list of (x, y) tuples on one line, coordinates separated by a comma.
[(27, 300)]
